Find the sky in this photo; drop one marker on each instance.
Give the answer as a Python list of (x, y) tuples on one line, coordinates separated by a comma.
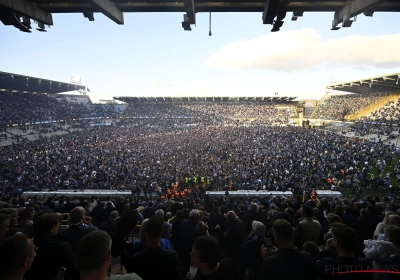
[(151, 55)]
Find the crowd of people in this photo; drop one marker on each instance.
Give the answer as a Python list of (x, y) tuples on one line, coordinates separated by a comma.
[(221, 238), (365, 128), (388, 114), (22, 108), (223, 110), (199, 158), (180, 151), (338, 106)]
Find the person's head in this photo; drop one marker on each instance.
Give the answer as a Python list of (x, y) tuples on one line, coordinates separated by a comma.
[(205, 253), (160, 213), (311, 248), (282, 231), (194, 216), (18, 253), (46, 224), (127, 222), (40, 213), (168, 215), (231, 217), (13, 213), (386, 218), (77, 215), (93, 252), (113, 215), (258, 228), (344, 237), (364, 213), (4, 224), (253, 208), (394, 220), (306, 211), (155, 227), (339, 210), (333, 218), (201, 213), (392, 234), (27, 213), (222, 210)]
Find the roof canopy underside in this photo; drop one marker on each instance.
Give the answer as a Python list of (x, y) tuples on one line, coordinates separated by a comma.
[(270, 99), (11, 82), (382, 84)]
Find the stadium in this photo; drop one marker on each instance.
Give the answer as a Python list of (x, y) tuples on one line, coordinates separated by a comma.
[(191, 186)]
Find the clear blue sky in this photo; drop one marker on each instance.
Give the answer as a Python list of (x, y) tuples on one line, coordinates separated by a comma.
[(152, 55)]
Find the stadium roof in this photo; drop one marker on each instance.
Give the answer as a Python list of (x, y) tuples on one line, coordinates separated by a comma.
[(19, 83), (266, 99), (20, 12), (386, 83)]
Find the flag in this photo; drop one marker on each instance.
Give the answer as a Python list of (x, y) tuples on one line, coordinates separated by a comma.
[(88, 89)]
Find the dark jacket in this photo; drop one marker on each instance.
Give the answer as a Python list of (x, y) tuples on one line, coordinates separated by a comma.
[(165, 261), (51, 255), (74, 233), (251, 250), (288, 264)]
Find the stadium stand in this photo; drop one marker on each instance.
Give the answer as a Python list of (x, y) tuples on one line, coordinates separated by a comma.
[(337, 107), (149, 157)]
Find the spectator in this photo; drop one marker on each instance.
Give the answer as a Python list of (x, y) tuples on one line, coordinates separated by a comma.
[(109, 226), (125, 225), (375, 249), (93, 255), (232, 239), (393, 219), (389, 264), (380, 228), (205, 256), (80, 225), (250, 217), (26, 224), (251, 250), (308, 229), (4, 224), (13, 213), (176, 225), (288, 262), (311, 248), (345, 241), (188, 232), (141, 244), (51, 253), (167, 226), (167, 260), (364, 228), (168, 203), (18, 253)]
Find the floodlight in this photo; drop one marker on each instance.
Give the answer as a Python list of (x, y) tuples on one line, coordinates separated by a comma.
[(41, 27), (298, 13), (347, 23), (26, 21)]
